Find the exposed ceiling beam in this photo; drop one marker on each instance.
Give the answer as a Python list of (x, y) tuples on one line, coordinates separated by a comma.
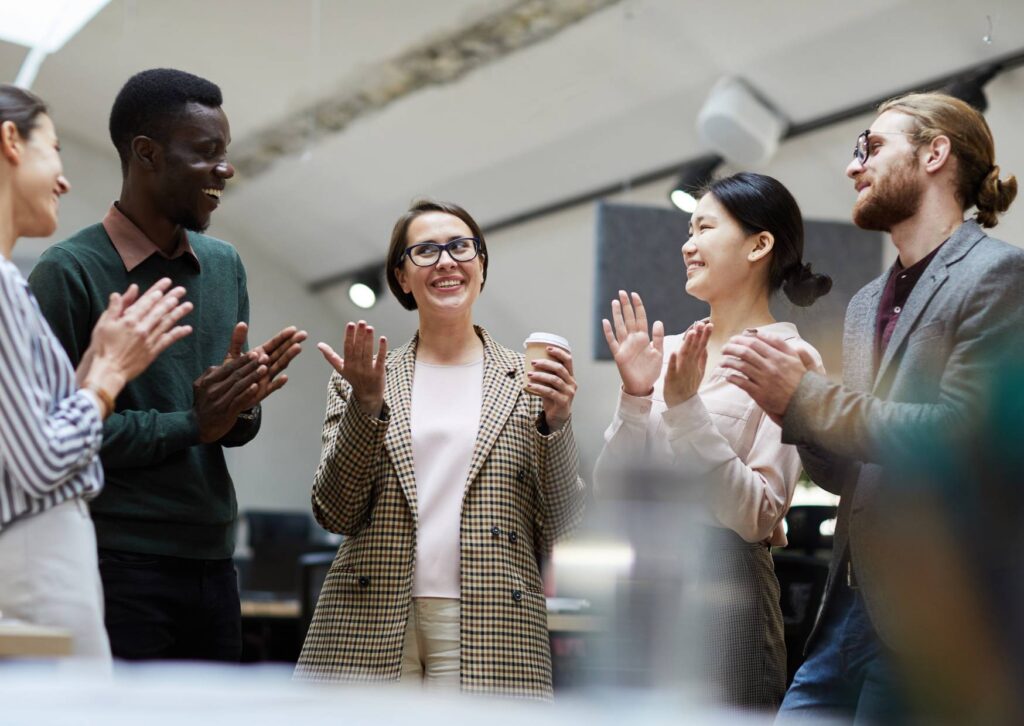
[(444, 59)]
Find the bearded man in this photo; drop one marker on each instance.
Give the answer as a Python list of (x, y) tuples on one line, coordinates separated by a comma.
[(918, 348)]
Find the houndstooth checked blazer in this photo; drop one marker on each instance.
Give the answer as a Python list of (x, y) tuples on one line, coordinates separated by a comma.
[(523, 492)]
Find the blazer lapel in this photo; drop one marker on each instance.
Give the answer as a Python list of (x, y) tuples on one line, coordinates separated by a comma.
[(398, 440), (919, 298), (503, 385), (859, 348), (958, 245)]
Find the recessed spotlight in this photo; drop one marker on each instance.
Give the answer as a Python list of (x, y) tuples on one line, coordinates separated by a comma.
[(693, 176), (362, 295), (365, 286)]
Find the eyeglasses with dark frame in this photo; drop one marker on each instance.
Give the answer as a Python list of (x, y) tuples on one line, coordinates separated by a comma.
[(861, 152), (426, 254)]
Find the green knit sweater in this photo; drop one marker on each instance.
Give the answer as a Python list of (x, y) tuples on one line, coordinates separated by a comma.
[(165, 492)]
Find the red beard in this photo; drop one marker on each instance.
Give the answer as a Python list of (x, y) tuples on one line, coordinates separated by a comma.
[(892, 198)]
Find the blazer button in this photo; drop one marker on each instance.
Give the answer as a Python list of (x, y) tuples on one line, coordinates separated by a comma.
[(364, 581), (520, 476), (496, 531), (516, 595), (513, 537)]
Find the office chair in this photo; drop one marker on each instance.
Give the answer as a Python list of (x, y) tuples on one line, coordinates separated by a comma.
[(276, 541), (314, 567)]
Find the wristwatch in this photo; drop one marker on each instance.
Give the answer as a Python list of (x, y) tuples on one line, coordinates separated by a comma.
[(250, 414)]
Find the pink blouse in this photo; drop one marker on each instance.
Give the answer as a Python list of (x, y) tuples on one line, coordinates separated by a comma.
[(719, 437)]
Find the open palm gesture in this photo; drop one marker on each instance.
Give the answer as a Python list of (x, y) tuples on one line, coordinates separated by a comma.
[(363, 370), (637, 354)]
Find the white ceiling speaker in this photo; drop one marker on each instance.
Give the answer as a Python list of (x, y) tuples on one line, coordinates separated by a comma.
[(738, 124)]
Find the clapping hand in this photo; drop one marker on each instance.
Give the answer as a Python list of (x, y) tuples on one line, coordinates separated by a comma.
[(639, 356), (768, 368), (137, 329), (279, 351), (223, 392), (363, 370), (686, 365), (131, 333)]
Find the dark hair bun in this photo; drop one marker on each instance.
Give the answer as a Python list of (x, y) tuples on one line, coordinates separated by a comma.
[(803, 286)]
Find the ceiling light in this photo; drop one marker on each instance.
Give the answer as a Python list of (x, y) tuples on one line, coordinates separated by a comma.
[(362, 296), (693, 177), (44, 26), (365, 286)]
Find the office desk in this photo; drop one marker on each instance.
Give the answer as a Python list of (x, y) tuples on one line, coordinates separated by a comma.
[(283, 608), (24, 640), (291, 608)]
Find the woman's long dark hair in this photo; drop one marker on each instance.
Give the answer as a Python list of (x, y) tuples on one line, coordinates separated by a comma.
[(760, 203), (21, 107)]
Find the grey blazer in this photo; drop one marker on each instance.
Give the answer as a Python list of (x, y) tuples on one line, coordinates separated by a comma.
[(931, 378)]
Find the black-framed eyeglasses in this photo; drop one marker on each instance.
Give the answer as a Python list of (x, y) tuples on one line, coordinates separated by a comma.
[(862, 150), (425, 254)]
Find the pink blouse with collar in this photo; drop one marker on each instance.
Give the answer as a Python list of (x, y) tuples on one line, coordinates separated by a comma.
[(720, 438)]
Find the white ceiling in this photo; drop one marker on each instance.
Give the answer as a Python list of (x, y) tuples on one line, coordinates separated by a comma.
[(603, 101)]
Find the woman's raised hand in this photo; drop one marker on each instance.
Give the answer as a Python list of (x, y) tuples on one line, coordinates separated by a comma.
[(686, 365), (363, 370), (133, 331), (128, 336), (638, 355)]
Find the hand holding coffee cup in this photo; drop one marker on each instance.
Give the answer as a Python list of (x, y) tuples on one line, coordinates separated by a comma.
[(549, 375)]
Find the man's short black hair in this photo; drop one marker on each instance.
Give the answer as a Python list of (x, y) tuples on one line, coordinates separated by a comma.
[(151, 101)]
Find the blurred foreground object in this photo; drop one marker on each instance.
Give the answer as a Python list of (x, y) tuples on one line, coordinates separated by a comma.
[(681, 598), (949, 557)]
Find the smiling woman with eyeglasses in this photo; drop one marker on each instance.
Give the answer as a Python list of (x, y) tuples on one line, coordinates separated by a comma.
[(449, 467)]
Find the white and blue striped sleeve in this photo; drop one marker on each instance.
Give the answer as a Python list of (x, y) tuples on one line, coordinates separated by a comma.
[(47, 435)]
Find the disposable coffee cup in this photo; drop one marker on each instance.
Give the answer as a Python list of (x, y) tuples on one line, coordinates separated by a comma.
[(536, 346)]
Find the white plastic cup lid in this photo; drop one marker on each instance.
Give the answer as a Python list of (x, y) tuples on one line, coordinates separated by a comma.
[(548, 339)]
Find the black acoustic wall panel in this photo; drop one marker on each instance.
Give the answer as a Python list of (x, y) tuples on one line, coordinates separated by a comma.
[(639, 248)]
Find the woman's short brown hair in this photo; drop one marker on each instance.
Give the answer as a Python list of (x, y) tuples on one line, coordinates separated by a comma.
[(398, 242)]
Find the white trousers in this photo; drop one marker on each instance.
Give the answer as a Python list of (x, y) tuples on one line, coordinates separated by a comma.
[(49, 575), (430, 656)]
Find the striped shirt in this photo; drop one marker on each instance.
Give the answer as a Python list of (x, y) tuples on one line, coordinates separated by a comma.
[(50, 431)]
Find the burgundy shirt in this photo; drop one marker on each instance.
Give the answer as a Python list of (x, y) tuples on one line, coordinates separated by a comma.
[(901, 283)]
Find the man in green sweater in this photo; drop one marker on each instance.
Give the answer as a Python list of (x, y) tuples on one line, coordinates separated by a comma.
[(165, 519)]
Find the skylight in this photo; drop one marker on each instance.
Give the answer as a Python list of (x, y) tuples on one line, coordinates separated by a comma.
[(45, 24)]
